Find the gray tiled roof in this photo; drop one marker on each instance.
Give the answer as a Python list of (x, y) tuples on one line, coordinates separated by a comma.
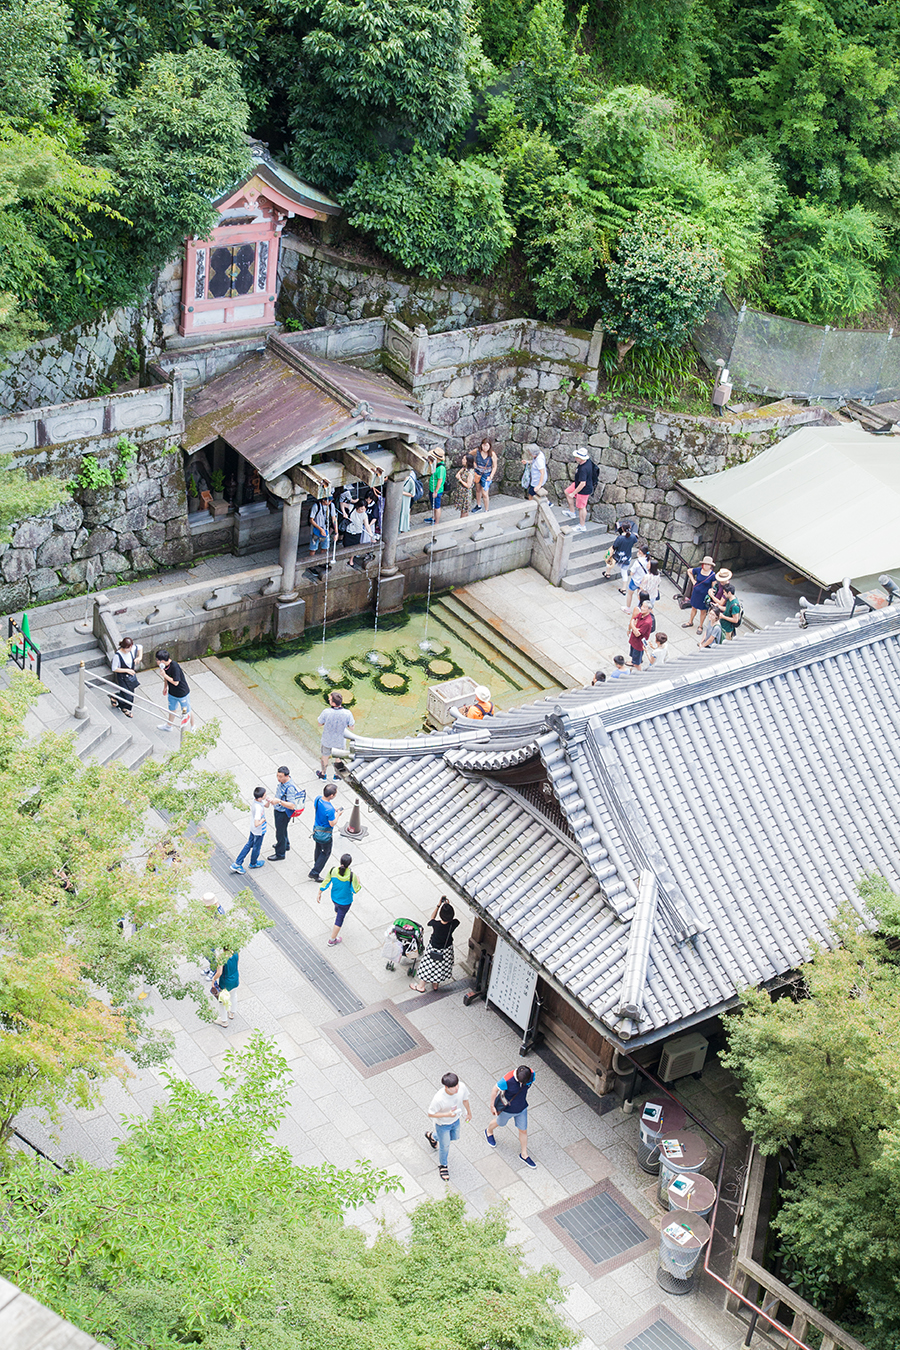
[(755, 782)]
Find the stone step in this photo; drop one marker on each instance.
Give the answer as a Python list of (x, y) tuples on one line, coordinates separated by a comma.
[(90, 663), (474, 632), (582, 579)]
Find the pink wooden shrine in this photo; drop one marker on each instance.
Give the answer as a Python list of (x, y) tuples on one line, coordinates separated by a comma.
[(230, 280)]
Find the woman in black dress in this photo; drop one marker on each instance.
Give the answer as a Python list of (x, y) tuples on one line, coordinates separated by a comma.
[(437, 963)]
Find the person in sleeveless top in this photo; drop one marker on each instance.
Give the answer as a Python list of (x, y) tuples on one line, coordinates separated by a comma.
[(486, 464), (437, 963)]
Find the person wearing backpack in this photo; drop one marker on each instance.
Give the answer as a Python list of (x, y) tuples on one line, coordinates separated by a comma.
[(509, 1101), (344, 884), (412, 492), (731, 613)]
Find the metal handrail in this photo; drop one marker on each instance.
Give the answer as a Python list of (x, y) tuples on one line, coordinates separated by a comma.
[(147, 704)]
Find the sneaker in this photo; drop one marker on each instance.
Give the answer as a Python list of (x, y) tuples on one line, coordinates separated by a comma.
[(477, 508), (529, 1162), (257, 864), (491, 1140), (163, 726), (333, 942), (236, 867), (320, 774), (579, 529), (312, 876), (429, 520), (568, 515)]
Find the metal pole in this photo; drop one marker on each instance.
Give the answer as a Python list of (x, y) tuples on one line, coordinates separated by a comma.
[(81, 712)]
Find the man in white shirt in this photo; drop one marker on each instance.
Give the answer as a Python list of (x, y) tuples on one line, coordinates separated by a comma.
[(446, 1110)]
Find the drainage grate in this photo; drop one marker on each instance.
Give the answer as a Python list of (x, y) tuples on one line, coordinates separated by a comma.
[(601, 1228), (659, 1336), (298, 949), (376, 1037)]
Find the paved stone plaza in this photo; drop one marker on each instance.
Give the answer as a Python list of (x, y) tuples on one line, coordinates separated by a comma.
[(294, 988)]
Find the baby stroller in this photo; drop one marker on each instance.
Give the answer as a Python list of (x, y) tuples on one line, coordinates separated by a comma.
[(402, 942)]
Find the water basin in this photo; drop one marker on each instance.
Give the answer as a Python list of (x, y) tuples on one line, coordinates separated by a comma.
[(384, 677)]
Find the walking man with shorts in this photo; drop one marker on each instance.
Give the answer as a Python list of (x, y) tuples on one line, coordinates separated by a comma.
[(178, 691), (445, 1111), (335, 721), (579, 491), (509, 1101)]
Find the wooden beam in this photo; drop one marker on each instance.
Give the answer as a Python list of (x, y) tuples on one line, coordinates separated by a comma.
[(411, 457), (302, 476), (361, 466)]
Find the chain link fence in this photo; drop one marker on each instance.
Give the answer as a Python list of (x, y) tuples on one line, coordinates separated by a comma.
[(767, 354)]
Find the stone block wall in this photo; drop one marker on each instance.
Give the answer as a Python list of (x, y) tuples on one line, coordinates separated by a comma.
[(104, 536), (640, 455), (320, 287), (73, 364)]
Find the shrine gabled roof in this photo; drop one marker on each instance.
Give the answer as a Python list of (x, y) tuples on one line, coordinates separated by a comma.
[(752, 786), (283, 407), (289, 190)]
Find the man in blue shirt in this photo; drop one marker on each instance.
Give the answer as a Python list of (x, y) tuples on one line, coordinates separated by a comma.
[(288, 799), (323, 829), (513, 1105)]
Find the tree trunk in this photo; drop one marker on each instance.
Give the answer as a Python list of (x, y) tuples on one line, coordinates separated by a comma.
[(622, 350)]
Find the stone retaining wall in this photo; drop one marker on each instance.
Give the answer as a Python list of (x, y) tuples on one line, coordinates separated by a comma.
[(73, 364), (320, 286), (104, 536), (535, 404)]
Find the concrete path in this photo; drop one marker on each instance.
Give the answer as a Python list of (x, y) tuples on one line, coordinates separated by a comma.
[(293, 987)]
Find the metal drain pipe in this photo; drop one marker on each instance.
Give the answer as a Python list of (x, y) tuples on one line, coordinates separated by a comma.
[(755, 1311)]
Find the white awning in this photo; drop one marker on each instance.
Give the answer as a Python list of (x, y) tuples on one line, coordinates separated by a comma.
[(826, 500)]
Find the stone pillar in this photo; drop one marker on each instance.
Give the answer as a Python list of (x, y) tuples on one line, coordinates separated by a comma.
[(287, 549), (596, 346), (392, 585)]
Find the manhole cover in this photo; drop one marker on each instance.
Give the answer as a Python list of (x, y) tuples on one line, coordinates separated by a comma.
[(659, 1336), (376, 1037), (601, 1228)]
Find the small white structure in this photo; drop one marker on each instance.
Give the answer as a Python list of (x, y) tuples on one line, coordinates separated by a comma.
[(444, 700)]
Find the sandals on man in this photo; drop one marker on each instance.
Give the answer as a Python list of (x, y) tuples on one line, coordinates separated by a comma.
[(431, 1139), (444, 1172)]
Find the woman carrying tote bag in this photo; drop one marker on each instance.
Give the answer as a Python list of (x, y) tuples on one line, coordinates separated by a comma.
[(125, 660)]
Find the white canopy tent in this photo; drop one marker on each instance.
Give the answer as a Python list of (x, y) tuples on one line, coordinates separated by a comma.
[(826, 500)]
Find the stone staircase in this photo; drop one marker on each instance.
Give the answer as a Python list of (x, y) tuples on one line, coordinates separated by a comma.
[(105, 734), (586, 564)]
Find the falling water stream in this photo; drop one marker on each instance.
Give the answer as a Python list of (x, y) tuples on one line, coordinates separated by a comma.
[(425, 645), (322, 669), (373, 654)]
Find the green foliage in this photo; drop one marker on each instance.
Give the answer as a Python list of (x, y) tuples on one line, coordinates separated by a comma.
[(21, 497), (822, 262), (661, 375), (565, 252), (379, 75), (179, 140), (502, 25), (81, 852), (663, 280), (665, 46), (550, 83), (206, 1233), (432, 213), (821, 1074), (217, 480), (33, 35), (92, 475), (825, 92)]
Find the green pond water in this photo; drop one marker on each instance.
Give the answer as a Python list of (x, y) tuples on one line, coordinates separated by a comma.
[(384, 677)]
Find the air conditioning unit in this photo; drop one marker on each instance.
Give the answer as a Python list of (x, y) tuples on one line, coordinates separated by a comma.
[(684, 1055)]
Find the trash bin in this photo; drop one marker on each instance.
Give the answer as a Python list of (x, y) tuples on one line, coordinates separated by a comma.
[(681, 1241), (660, 1118), (693, 1193), (685, 1152)]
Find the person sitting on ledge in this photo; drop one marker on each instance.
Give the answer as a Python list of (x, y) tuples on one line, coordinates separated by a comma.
[(482, 707)]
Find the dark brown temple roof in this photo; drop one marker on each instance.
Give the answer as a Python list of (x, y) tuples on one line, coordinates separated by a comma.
[(283, 407)]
